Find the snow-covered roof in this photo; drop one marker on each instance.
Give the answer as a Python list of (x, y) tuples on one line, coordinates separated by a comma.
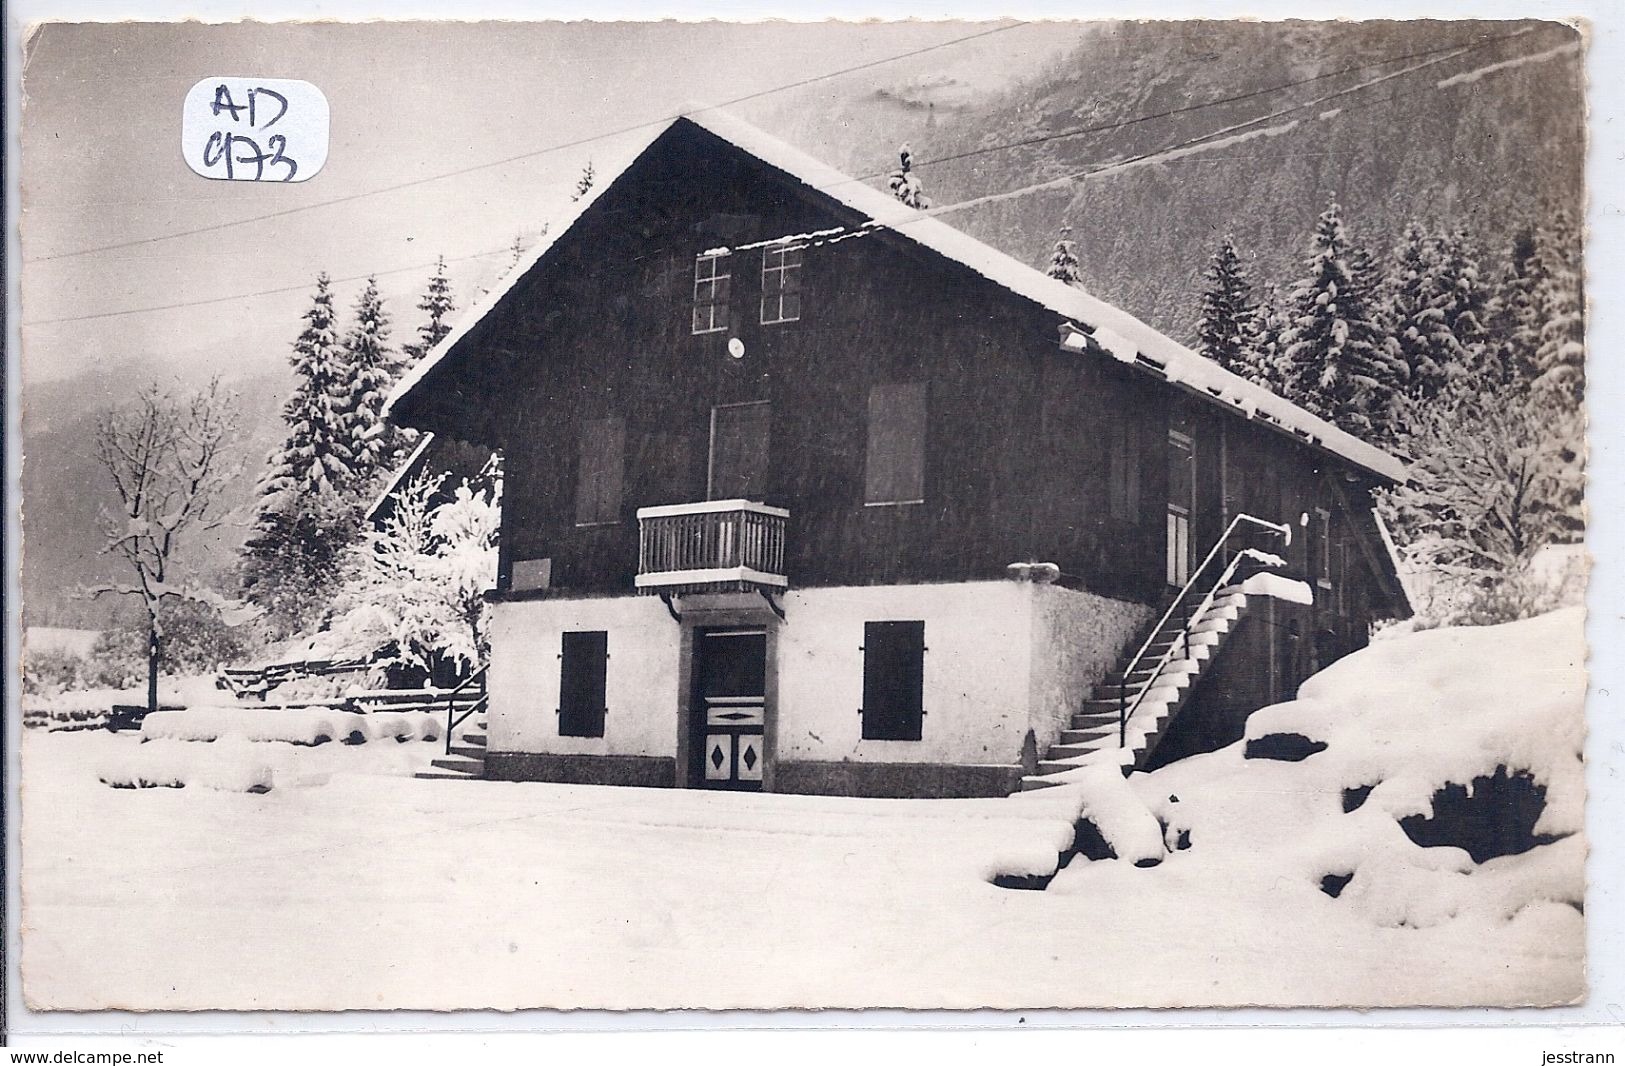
[(402, 472), (1116, 331)]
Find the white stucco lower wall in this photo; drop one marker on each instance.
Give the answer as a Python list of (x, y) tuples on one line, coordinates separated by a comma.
[(978, 636), (640, 682), (1003, 657), (1077, 637)]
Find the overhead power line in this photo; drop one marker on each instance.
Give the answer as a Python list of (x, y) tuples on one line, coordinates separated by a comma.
[(302, 287), (1213, 135), (506, 160), (1181, 146), (1107, 127)]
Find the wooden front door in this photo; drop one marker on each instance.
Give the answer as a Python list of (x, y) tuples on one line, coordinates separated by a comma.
[(1181, 505), (739, 450), (729, 711)]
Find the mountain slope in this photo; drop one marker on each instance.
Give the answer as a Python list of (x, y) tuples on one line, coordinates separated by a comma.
[(1475, 154)]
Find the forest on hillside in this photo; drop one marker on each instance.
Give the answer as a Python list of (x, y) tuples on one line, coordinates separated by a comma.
[(1249, 129)]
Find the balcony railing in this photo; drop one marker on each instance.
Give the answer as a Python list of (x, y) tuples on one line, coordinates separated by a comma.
[(715, 546)]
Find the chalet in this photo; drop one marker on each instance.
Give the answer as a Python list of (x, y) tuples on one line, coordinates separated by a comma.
[(807, 491)]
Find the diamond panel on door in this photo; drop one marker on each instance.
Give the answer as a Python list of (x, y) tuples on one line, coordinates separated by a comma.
[(728, 714), (719, 757), (749, 766)]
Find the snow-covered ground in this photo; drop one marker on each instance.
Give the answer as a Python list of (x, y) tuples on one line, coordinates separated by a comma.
[(351, 884)]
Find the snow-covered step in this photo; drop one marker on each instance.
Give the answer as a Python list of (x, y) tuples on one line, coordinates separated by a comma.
[(465, 757), (1072, 751), (1153, 688), (1141, 671), (1220, 620)]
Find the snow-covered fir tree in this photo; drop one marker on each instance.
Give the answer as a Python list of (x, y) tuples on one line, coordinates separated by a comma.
[(1229, 332), (1462, 295), (1417, 304), (1370, 278), (904, 184), (1496, 455), (304, 513), (1063, 259), (1512, 314), (292, 561), (367, 371), (438, 304), (1270, 370), (1338, 362), (316, 457), (583, 183), (1560, 355)]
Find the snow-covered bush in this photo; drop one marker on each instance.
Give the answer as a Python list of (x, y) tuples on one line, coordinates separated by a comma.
[(417, 583), (53, 670), (294, 725), (229, 766)]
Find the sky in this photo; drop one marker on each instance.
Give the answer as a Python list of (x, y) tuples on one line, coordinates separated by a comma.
[(102, 165)]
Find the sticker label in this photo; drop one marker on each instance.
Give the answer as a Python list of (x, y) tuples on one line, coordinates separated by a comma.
[(255, 129)]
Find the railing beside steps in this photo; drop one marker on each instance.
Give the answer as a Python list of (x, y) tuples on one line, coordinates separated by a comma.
[(460, 710), (1179, 646), (715, 544)]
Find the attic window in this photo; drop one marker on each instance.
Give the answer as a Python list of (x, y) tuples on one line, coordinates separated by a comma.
[(781, 284), (711, 291)]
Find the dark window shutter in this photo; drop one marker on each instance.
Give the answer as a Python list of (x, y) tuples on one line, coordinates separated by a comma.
[(741, 435), (583, 665), (893, 680), (894, 465), (1123, 470), (1131, 460), (599, 469), (1320, 560)]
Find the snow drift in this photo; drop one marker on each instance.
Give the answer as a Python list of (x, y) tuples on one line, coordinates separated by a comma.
[(1407, 759)]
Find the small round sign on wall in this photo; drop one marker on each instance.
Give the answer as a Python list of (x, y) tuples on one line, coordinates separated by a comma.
[(255, 129)]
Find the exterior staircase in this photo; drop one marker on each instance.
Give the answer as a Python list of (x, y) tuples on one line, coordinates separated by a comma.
[(1130, 709), (466, 724), (465, 755)]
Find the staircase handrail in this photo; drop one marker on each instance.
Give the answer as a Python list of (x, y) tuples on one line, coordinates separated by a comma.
[(453, 719), (1124, 710)]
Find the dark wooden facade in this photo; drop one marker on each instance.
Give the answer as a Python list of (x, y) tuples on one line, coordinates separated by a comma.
[(1032, 452)]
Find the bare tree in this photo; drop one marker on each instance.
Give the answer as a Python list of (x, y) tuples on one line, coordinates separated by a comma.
[(166, 457)]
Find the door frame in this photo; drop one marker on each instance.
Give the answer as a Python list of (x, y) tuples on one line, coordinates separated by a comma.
[(1187, 441), (727, 616)]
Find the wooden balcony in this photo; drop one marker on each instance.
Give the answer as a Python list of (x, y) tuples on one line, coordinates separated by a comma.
[(715, 546)]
